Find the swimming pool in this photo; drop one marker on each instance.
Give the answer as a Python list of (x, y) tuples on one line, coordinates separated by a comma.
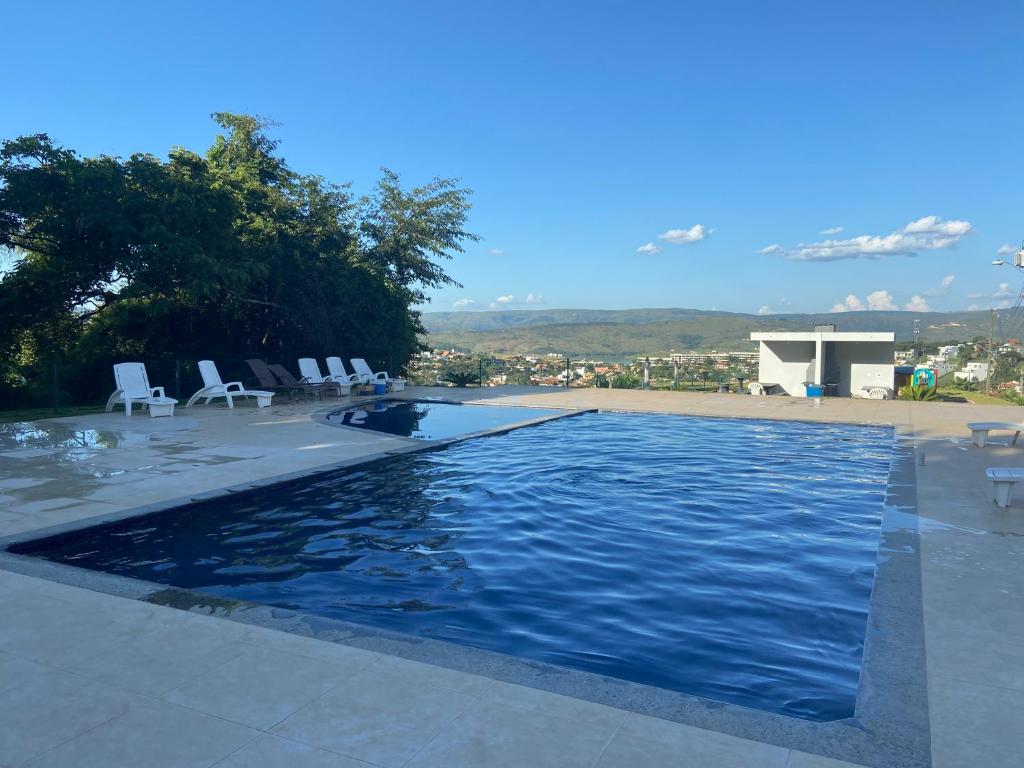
[(730, 559), (432, 420)]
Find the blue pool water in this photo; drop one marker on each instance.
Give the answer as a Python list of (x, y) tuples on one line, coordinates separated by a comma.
[(731, 559), (427, 420)]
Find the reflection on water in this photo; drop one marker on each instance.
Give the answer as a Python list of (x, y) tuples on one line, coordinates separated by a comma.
[(426, 420)]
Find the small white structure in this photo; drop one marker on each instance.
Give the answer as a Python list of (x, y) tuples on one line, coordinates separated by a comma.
[(848, 364), (973, 371), (951, 350), (941, 365)]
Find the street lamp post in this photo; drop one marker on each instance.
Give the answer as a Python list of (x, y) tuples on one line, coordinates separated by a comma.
[(1018, 263)]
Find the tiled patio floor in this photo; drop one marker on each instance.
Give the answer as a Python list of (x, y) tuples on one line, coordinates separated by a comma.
[(88, 679)]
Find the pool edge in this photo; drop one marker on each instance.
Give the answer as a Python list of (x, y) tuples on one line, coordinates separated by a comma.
[(878, 735)]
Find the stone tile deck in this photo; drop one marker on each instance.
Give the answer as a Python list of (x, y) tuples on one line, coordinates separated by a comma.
[(89, 679)]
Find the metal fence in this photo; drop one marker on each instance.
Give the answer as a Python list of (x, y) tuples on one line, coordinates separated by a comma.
[(570, 371)]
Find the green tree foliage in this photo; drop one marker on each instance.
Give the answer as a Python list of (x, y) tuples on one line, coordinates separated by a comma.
[(227, 255)]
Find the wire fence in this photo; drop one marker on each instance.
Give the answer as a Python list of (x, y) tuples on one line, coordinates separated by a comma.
[(581, 372)]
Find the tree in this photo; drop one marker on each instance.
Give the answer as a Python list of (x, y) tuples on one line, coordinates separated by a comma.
[(228, 254)]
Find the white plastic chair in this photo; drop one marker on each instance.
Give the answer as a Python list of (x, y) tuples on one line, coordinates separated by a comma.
[(309, 370), (368, 376), (214, 386), (133, 387), (336, 372)]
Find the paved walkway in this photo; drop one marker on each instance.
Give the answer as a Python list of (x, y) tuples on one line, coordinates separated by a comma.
[(88, 679)]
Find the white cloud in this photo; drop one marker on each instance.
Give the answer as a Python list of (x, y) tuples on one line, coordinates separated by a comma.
[(831, 231), (462, 303), (496, 252), (534, 298), (765, 310), (649, 249), (925, 234), (1004, 291), (876, 301), (1005, 250), (772, 249), (850, 304), (943, 289), (694, 234), (881, 301), (917, 304)]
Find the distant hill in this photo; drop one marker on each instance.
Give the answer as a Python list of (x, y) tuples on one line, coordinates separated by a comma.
[(620, 334)]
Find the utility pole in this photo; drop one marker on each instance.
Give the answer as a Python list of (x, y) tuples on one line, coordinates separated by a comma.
[(991, 330)]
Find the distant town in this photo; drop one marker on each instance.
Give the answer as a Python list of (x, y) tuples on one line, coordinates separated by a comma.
[(958, 366)]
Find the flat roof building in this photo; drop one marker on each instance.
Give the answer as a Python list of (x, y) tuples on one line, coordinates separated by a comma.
[(844, 363)]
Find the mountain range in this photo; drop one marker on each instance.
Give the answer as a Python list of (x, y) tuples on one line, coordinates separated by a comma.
[(621, 334)]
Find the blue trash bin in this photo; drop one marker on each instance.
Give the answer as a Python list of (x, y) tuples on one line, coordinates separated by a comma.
[(814, 390), (380, 388)]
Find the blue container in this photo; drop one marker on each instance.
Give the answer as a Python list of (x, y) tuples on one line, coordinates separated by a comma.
[(380, 388), (814, 390)]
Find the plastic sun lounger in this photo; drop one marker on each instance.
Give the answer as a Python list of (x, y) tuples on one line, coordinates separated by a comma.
[(309, 369), (132, 386), (214, 386), (287, 379), (762, 387), (877, 392), (1003, 479), (980, 430), (336, 372), (368, 376), (268, 381)]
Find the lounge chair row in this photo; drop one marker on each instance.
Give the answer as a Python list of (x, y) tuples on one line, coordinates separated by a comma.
[(277, 378), (132, 383)]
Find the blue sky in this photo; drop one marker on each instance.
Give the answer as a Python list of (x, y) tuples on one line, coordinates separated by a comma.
[(711, 131)]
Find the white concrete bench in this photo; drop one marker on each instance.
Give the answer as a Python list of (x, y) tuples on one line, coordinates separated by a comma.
[(1003, 479), (980, 430)]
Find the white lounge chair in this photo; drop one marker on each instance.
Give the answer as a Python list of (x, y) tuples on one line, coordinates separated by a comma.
[(309, 370), (368, 376), (762, 388), (336, 372), (876, 392), (1003, 479), (980, 430), (133, 387), (214, 386)]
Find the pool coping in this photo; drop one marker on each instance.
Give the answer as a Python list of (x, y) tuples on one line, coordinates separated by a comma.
[(890, 726)]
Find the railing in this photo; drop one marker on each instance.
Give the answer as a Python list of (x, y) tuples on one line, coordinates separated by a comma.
[(577, 372)]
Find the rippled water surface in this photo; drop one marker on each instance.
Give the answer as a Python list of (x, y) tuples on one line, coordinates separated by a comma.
[(731, 559)]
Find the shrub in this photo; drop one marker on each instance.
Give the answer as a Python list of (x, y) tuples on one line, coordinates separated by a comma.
[(918, 392)]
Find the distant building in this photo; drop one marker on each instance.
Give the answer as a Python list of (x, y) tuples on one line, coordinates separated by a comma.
[(850, 364), (973, 371), (941, 365)]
